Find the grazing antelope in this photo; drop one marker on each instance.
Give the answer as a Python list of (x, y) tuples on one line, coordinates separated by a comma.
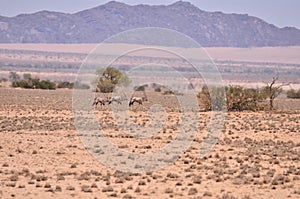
[(137, 100), (112, 99), (99, 100)]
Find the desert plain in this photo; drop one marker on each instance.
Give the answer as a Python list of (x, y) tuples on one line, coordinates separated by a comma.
[(42, 156)]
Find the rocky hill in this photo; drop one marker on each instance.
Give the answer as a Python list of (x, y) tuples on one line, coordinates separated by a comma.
[(96, 24)]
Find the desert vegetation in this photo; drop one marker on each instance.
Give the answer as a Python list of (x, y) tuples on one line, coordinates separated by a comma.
[(65, 84), (34, 84), (109, 77), (29, 82), (239, 98)]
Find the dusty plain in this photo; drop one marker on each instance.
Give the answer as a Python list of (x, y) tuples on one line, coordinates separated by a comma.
[(42, 156)]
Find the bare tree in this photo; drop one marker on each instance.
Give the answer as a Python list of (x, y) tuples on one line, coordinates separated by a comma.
[(274, 91)]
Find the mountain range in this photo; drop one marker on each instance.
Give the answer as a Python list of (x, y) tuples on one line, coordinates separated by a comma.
[(97, 24)]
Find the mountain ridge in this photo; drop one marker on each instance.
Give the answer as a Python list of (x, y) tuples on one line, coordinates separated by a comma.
[(210, 29)]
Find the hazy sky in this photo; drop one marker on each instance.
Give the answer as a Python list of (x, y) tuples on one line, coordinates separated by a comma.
[(278, 12)]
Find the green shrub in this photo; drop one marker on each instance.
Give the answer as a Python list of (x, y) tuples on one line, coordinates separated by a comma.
[(46, 84), (23, 84), (240, 99), (34, 83), (65, 85), (236, 98)]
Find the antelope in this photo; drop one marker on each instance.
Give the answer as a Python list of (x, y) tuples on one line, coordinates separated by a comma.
[(99, 100), (137, 100), (112, 99)]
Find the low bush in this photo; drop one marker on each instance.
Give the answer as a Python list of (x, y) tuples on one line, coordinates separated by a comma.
[(46, 84), (34, 83), (65, 85), (235, 98)]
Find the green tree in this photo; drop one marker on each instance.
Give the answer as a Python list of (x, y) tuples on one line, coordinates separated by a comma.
[(109, 78)]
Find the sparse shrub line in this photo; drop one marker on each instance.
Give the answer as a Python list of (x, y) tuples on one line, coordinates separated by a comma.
[(35, 83)]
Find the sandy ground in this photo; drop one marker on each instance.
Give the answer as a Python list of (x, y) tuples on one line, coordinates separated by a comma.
[(42, 155)]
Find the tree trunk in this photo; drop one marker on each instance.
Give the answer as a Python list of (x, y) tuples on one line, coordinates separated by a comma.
[(271, 103)]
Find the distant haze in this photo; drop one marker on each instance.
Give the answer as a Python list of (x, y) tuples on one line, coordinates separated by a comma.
[(278, 12)]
